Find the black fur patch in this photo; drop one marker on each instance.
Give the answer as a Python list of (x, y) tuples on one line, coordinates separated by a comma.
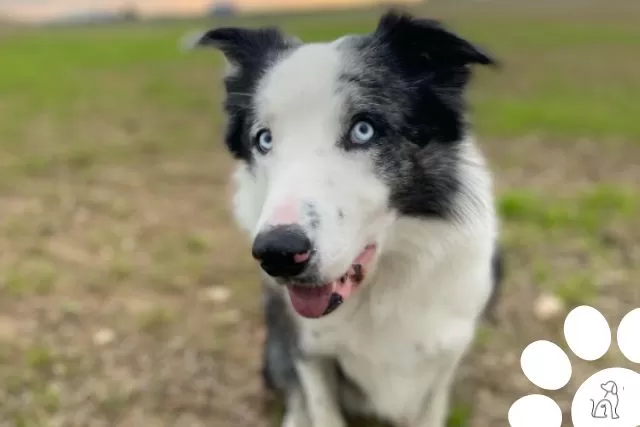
[(281, 346), (250, 52), (311, 215), (410, 80), (497, 274)]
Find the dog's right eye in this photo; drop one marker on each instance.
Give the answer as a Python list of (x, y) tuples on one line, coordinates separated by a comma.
[(264, 140), (362, 132)]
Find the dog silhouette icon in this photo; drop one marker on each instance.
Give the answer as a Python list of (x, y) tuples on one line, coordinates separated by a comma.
[(607, 407)]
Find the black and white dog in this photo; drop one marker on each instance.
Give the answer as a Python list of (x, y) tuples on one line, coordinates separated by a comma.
[(371, 211)]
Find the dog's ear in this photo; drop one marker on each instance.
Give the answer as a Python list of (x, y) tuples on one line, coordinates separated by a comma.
[(248, 52), (243, 47), (427, 41)]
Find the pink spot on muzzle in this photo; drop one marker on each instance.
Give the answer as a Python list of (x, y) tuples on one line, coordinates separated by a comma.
[(284, 214)]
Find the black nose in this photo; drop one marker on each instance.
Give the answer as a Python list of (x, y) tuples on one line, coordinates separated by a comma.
[(283, 251)]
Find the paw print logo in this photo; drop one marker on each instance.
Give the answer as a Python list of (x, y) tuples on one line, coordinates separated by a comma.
[(609, 398)]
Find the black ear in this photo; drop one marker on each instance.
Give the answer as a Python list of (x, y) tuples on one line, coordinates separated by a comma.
[(244, 47), (429, 41), (249, 52)]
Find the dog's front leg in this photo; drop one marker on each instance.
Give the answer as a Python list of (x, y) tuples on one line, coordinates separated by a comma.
[(436, 409), (296, 412), (319, 383)]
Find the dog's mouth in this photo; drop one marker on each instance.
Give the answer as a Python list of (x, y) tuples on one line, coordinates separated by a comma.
[(316, 301)]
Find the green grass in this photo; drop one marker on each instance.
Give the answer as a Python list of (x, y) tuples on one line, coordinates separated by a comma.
[(562, 79), (459, 416), (577, 290), (588, 212)]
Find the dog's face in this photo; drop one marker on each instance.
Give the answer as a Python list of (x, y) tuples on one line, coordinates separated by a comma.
[(336, 140)]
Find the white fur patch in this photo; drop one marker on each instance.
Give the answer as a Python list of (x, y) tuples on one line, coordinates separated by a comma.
[(299, 101)]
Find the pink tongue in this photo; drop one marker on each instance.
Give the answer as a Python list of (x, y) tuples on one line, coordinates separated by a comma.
[(312, 302)]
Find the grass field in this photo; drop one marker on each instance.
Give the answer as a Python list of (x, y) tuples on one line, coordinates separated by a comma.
[(128, 298)]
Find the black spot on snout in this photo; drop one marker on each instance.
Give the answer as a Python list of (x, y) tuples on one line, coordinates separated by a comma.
[(311, 215)]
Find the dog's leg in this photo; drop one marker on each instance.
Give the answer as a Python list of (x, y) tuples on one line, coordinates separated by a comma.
[(279, 369), (319, 380), (437, 413), (436, 409), (295, 413)]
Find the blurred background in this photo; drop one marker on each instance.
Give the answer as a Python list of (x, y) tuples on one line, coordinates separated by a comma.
[(128, 297)]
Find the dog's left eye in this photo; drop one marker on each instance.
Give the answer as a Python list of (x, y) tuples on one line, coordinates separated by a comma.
[(264, 140), (362, 132)]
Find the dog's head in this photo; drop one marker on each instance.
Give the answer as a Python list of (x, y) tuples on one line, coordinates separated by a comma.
[(609, 387), (337, 140)]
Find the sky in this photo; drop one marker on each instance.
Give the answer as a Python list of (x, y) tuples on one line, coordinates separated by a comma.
[(35, 10)]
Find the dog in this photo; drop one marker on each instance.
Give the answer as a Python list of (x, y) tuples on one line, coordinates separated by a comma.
[(608, 405), (370, 210)]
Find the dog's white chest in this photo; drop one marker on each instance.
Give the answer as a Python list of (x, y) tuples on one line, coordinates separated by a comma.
[(395, 359), (393, 390)]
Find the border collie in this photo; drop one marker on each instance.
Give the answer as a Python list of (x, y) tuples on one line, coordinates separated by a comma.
[(371, 214)]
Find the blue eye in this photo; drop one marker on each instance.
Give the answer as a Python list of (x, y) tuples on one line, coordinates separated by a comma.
[(362, 132), (264, 140)]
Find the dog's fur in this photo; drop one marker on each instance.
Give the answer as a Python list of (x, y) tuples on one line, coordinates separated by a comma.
[(421, 191)]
